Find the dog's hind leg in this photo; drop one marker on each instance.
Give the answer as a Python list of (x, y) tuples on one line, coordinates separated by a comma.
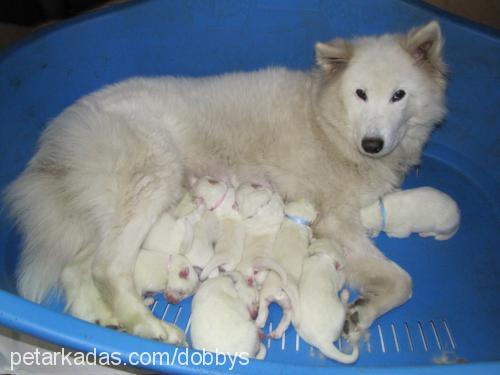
[(148, 193), (382, 286), (381, 283), (83, 300)]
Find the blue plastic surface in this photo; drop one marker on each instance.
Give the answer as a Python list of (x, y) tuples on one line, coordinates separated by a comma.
[(455, 307)]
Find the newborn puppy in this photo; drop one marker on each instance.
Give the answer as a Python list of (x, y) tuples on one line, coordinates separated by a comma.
[(219, 198), (204, 232), (289, 250), (262, 213), (322, 312), (156, 271), (424, 210), (221, 318), (160, 266)]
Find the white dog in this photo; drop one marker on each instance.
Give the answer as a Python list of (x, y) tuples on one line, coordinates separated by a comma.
[(262, 211), (221, 318), (343, 135), (322, 312), (289, 250), (424, 210)]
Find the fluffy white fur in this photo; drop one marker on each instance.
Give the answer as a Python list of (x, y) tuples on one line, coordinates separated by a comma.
[(322, 312), (426, 211), (289, 250), (262, 211), (221, 318), (113, 162)]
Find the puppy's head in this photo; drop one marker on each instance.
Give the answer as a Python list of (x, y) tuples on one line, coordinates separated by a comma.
[(303, 209), (182, 279), (209, 191), (251, 197), (377, 90), (247, 293)]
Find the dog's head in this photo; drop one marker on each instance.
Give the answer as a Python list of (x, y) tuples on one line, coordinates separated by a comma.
[(376, 91)]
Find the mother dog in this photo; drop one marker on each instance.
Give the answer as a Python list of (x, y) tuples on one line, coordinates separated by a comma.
[(342, 135)]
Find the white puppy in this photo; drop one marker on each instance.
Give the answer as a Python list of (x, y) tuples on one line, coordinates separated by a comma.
[(221, 318), (322, 312), (159, 265), (424, 210), (262, 213), (289, 250), (219, 198)]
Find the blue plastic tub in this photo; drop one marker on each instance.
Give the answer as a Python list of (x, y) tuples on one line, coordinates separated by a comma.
[(455, 309)]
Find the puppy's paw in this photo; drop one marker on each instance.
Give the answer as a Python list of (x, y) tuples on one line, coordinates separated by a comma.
[(155, 329), (276, 334)]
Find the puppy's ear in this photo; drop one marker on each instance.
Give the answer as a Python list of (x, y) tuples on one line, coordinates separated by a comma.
[(425, 45), (333, 56)]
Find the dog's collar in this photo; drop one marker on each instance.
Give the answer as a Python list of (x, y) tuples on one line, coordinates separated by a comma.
[(298, 220), (383, 213)]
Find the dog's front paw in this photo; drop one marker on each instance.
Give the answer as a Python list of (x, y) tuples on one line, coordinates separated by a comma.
[(155, 329)]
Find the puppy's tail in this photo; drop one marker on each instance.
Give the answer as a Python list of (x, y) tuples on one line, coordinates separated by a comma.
[(331, 351), (51, 236), (216, 261), (270, 264)]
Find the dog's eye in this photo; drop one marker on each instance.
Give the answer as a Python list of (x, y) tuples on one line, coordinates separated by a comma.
[(361, 94), (398, 95)]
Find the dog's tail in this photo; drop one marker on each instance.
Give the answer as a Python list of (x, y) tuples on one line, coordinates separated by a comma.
[(331, 351), (216, 261), (270, 264), (51, 237)]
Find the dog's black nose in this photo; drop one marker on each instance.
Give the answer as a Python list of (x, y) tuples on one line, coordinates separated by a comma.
[(372, 145)]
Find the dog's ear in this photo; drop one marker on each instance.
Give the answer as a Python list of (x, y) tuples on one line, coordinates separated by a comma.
[(425, 45), (333, 56)]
